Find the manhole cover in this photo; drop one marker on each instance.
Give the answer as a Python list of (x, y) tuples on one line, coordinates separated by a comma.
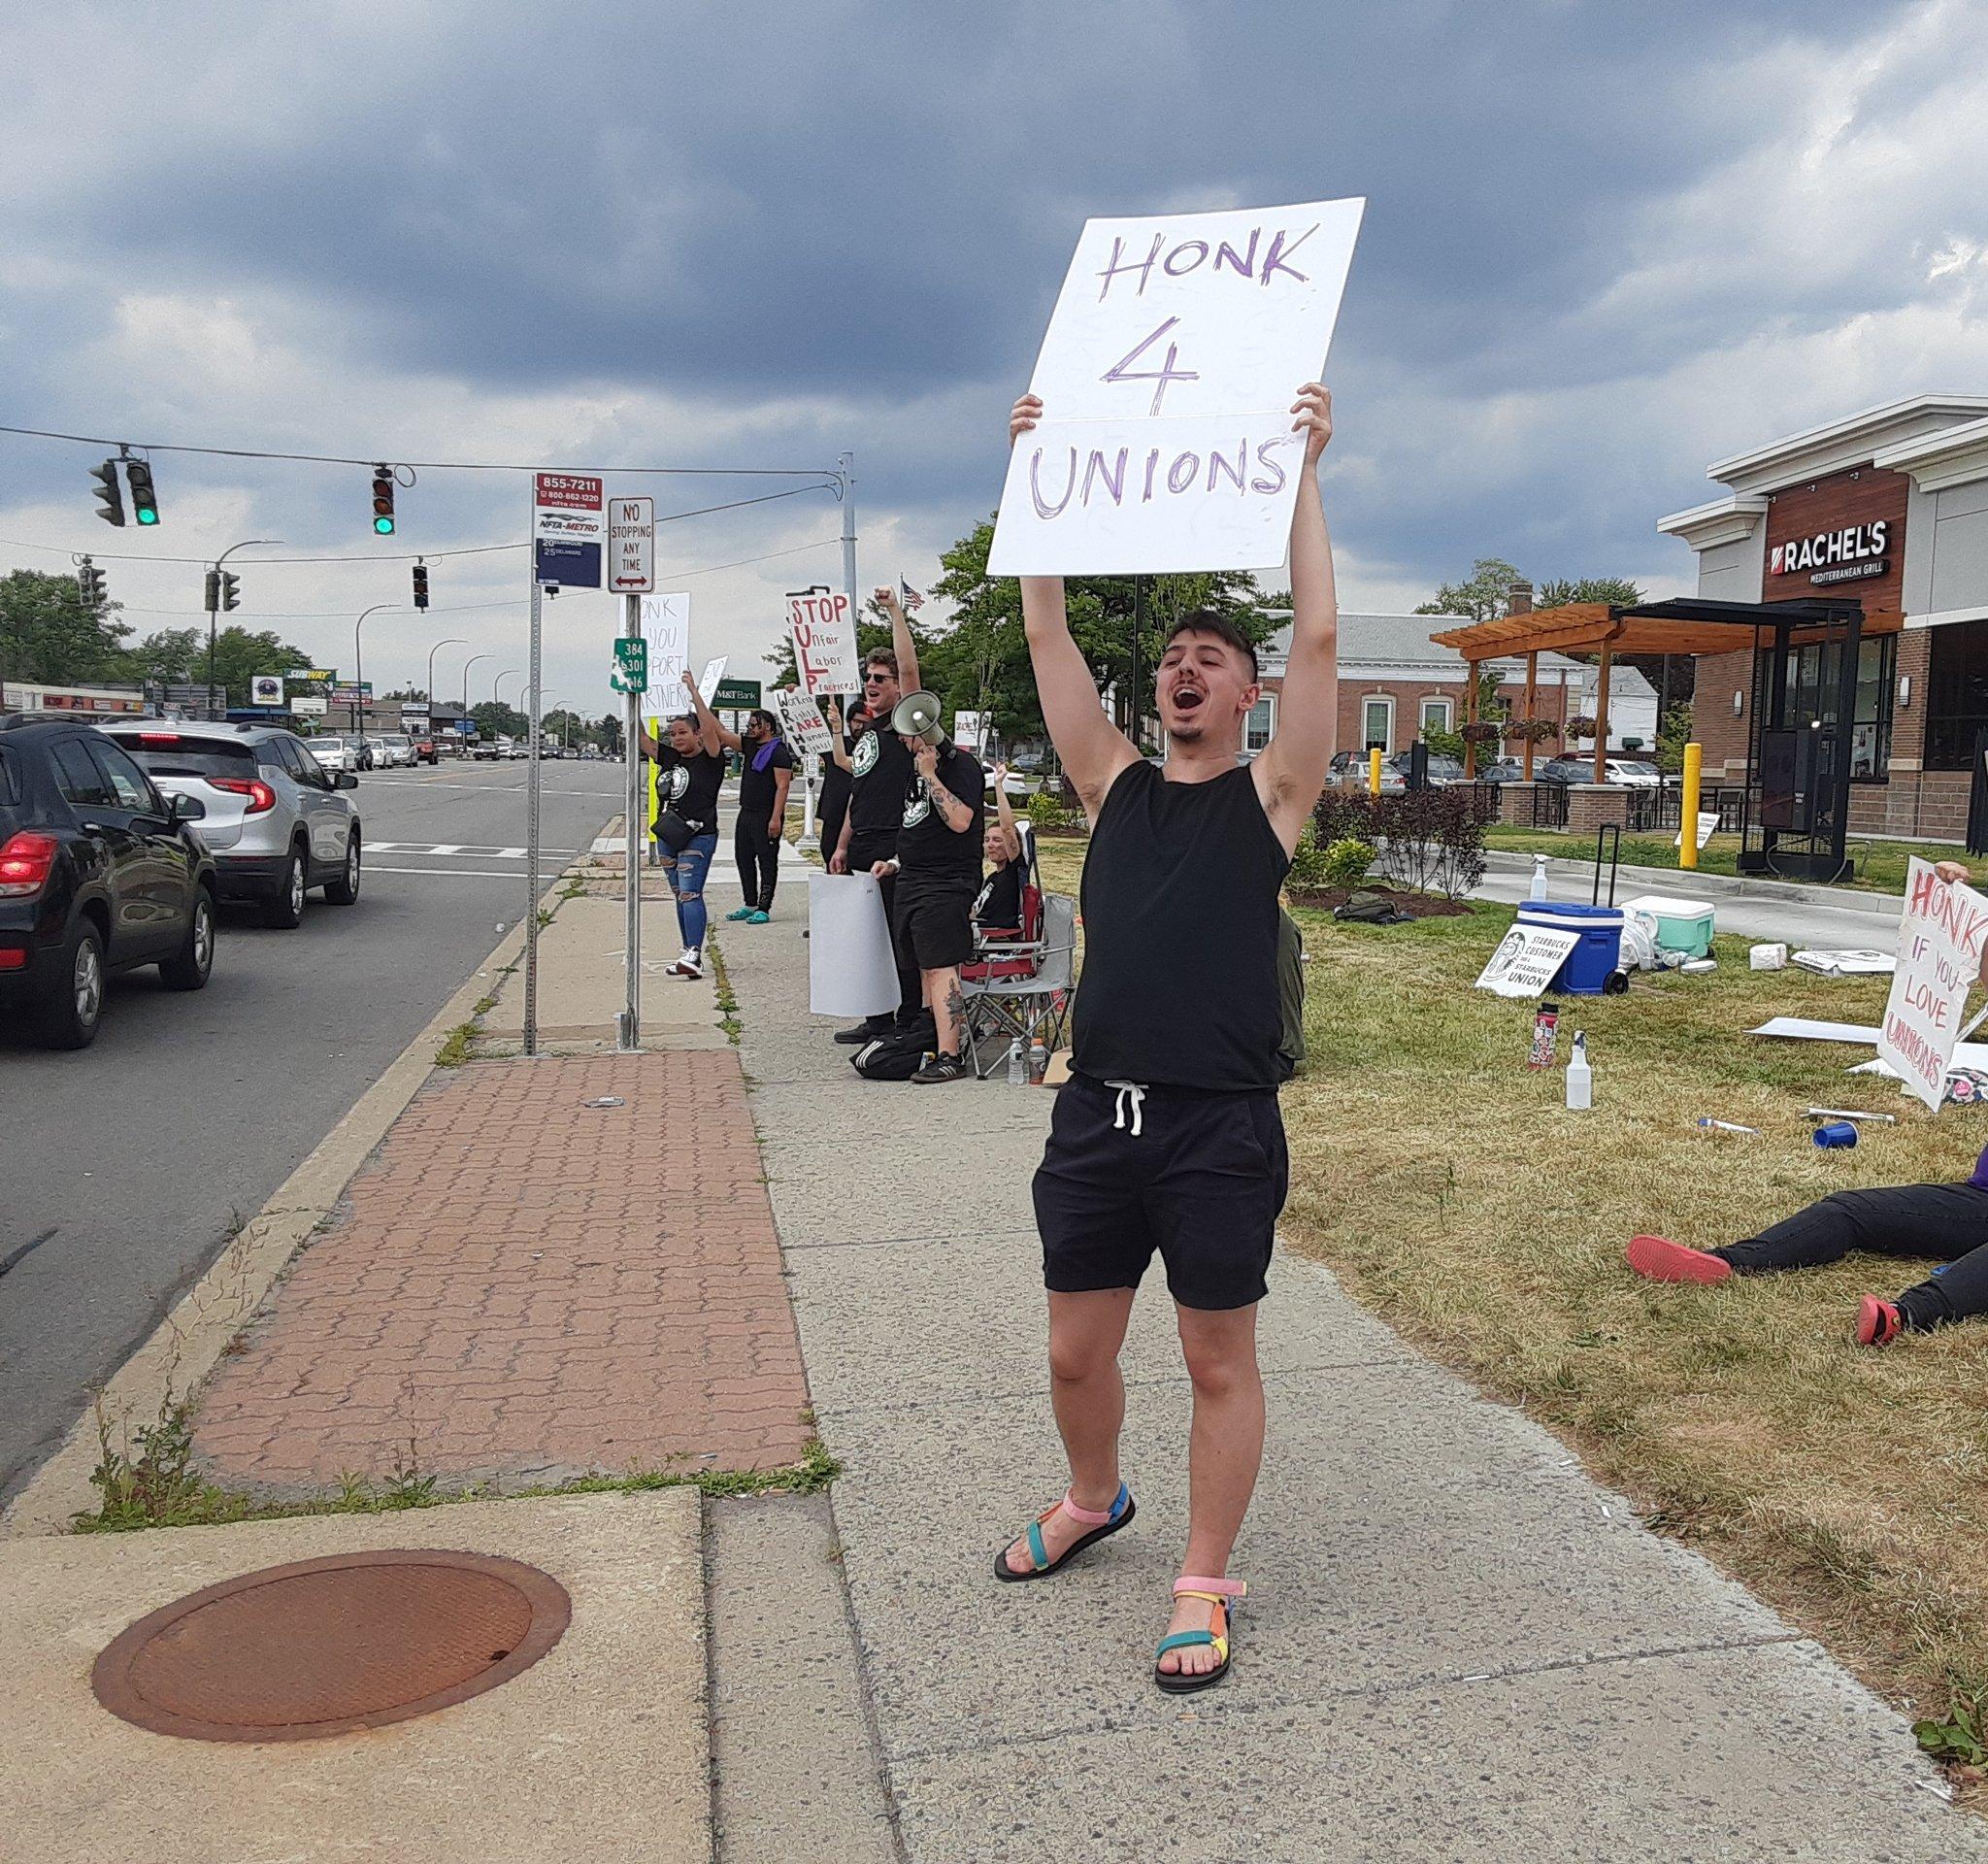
[(324, 1647)]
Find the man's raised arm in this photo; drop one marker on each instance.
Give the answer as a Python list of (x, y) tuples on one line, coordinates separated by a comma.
[(901, 641), (1093, 750), (1291, 770)]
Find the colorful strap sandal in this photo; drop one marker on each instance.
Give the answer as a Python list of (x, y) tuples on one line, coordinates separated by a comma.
[(1109, 1522), (1218, 1593)]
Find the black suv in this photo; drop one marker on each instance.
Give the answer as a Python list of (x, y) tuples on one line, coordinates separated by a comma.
[(98, 873)]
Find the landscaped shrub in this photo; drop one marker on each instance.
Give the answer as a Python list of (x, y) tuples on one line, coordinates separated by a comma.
[(1051, 811), (1432, 840), (1346, 861), (1308, 861)]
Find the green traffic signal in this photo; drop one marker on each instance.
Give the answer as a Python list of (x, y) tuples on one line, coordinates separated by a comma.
[(146, 516), (145, 502), (383, 525)]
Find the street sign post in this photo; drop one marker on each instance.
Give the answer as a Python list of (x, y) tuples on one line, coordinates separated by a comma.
[(631, 664), (631, 677), (569, 531), (632, 546)]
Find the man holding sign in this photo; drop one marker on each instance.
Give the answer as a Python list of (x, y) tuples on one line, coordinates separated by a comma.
[(1168, 1135)]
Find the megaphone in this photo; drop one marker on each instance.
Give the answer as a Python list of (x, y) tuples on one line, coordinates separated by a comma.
[(918, 717)]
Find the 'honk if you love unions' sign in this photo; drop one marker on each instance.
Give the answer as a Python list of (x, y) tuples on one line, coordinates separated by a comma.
[(1176, 347)]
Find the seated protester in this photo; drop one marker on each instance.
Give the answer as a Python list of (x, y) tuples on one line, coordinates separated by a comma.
[(938, 870), (761, 827), (1944, 1222), (690, 766), (997, 913)]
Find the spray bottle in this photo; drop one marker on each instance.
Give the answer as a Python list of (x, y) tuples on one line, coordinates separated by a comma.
[(1581, 1078), (1538, 890)]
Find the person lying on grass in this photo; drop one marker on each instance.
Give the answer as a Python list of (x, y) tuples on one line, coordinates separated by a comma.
[(1946, 1222)]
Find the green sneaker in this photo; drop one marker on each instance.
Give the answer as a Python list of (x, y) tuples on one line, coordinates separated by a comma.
[(758, 917), (743, 913)]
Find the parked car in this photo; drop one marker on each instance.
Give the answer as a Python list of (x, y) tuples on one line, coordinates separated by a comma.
[(1566, 770), (98, 873), (332, 751), (275, 819), (425, 751), (1634, 773), (1349, 771), (1502, 770)]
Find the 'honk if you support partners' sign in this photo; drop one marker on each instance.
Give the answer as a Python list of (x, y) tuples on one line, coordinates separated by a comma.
[(1942, 936), (1175, 349)]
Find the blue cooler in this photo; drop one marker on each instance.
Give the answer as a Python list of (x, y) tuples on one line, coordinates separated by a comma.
[(1588, 966)]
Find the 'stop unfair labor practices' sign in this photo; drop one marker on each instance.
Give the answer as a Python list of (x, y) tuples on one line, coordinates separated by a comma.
[(1175, 351), (804, 722), (1940, 945), (1527, 961), (631, 545), (666, 627), (569, 529), (824, 631)]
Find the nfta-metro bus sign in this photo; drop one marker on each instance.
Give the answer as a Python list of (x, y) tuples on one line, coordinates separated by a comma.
[(569, 529)]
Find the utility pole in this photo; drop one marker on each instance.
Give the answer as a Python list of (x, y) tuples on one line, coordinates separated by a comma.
[(359, 672), (845, 471)]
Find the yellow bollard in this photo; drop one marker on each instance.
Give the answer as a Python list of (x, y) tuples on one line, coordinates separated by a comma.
[(1688, 813), (1374, 771)]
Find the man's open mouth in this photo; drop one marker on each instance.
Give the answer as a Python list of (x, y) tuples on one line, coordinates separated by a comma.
[(1187, 698)]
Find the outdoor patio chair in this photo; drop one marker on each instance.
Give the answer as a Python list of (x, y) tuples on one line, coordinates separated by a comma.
[(1022, 990)]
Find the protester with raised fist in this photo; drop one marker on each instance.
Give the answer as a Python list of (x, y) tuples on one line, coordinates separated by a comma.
[(690, 766), (1167, 1136)]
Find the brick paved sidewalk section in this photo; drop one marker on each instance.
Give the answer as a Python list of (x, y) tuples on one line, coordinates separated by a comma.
[(524, 1289)]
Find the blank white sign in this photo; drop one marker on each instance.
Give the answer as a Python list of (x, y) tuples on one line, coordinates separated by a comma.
[(1175, 349)]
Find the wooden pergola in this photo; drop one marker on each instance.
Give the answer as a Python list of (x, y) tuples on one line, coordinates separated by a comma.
[(1688, 625)]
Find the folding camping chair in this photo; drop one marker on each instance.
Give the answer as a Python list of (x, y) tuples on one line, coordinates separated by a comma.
[(1021, 988)]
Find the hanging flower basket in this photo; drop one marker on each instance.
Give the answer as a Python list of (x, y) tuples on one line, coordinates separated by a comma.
[(1482, 732), (1534, 731), (1581, 727)]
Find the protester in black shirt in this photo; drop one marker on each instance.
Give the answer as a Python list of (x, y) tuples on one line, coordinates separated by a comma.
[(1167, 1135), (938, 870), (690, 766), (835, 776), (761, 827), (998, 910), (881, 771)]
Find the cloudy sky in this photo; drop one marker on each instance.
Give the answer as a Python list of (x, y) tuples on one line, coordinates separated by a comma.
[(1604, 246)]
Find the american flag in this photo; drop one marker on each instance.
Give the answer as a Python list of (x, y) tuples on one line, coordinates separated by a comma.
[(909, 596)]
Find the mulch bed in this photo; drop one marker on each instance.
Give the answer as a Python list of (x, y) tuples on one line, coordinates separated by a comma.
[(1417, 906)]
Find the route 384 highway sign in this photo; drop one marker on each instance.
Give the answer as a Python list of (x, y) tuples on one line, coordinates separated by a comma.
[(631, 664)]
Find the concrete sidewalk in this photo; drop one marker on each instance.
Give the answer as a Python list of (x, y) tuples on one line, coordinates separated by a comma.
[(1456, 1647)]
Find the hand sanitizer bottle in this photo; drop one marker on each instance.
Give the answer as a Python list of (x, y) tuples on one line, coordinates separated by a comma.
[(1581, 1078)]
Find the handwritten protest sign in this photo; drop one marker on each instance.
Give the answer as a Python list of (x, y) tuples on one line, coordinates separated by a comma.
[(1940, 940), (1175, 349), (666, 627), (806, 726), (823, 625), (1527, 961), (707, 679)]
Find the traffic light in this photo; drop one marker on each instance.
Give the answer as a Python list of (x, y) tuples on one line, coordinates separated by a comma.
[(144, 503), (89, 583), (214, 590), (231, 590), (383, 500), (420, 586), (109, 494)]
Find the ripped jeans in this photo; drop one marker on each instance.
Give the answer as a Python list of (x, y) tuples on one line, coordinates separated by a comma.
[(687, 871)]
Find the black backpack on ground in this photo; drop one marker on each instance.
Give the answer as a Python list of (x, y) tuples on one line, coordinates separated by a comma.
[(900, 1054)]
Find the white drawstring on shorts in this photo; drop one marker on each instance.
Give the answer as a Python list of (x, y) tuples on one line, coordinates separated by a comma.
[(1133, 1091)]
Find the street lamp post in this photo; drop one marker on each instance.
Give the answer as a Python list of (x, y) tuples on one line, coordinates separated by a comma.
[(466, 666), (213, 612), (359, 671), (453, 641)]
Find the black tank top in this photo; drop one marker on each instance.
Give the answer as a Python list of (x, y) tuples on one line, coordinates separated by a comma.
[(1180, 984)]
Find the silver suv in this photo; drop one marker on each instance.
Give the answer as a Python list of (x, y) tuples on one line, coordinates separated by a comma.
[(277, 820)]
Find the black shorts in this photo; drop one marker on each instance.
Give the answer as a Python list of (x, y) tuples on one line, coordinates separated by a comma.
[(933, 927), (1201, 1178)]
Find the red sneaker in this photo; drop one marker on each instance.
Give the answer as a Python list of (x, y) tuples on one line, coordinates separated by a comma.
[(1878, 1322), (1659, 1259)]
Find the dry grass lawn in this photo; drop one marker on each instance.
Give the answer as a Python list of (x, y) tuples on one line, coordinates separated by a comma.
[(1453, 1192)]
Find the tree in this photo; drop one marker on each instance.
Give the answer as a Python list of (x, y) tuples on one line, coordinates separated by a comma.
[(495, 719), (1484, 596), (177, 656), (407, 693), (1491, 710), (47, 635), (1673, 735), (608, 734)]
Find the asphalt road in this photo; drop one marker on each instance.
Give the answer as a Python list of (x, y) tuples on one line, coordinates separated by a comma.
[(124, 1168)]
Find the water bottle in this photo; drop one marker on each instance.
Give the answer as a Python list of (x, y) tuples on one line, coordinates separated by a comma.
[(1539, 891), (1039, 1064), (1581, 1078), (1017, 1065)]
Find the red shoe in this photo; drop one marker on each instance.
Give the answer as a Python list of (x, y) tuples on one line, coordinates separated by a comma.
[(1659, 1259), (1878, 1322)]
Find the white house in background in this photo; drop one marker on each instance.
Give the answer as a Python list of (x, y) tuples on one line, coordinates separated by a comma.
[(1632, 704)]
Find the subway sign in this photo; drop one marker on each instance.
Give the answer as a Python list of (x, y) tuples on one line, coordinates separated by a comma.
[(1834, 556)]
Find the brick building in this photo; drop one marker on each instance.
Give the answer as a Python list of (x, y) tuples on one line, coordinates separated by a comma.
[(1890, 506), (1394, 682)]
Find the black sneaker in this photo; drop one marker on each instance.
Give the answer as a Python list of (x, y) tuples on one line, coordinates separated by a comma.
[(943, 1067), (866, 1031)]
